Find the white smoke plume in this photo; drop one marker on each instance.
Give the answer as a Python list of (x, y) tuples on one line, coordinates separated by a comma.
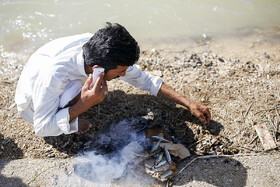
[(117, 164)]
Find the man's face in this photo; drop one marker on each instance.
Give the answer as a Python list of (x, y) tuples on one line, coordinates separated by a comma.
[(114, 73)]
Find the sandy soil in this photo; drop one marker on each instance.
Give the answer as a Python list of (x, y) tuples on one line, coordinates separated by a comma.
[(256, 171), (237, 78)]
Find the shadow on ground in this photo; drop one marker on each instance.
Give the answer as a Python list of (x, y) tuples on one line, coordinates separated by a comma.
[(10, 151), (215, 171), (119, 106), (178, 121)]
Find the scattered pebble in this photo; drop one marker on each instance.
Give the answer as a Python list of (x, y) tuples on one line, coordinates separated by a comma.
[(221, 60)]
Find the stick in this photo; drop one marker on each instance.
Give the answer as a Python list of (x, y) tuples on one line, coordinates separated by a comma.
[(194, 144), (266, 110), (39, 174), (278, 118), (247, 148), (271, 122), (187, 165), (180, 113), (12, 106), (248, 110), (275, 128), (253, 139), (210, 156), (277, 113), (155, 121)]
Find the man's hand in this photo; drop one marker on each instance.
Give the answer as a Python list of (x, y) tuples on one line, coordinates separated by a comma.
[(89, 97), (201, 112), (83, 126)]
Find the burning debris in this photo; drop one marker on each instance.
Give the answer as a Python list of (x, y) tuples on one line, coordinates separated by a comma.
[(134, 144), (143, 151), (158, 158), (158, 161)]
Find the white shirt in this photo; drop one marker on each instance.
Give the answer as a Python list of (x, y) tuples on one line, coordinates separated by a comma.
[(53, 76)]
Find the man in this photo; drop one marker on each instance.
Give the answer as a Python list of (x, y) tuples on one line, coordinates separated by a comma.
[(54, 87)]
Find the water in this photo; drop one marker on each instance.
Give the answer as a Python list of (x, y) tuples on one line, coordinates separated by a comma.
[(28, 24)]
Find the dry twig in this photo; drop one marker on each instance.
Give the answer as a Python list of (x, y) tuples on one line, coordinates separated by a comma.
[(277, 125), (208, 156), (249, 108), (253, 139), (39, 174)]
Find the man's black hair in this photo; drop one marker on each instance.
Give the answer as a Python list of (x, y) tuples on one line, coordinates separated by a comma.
[(111, 46)]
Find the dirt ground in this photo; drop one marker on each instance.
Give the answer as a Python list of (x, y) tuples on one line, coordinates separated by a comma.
[(238, 79), (259, 171)]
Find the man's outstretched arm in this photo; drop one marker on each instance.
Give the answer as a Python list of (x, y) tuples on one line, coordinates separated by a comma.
[(200, 111)]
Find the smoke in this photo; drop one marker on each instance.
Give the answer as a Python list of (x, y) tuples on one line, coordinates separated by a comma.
[(98, 168), (113, 156)]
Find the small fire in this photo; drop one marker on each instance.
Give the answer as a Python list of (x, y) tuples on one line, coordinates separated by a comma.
[(130, 152)]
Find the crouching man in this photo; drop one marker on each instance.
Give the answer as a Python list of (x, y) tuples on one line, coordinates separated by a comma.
[(55, 85)]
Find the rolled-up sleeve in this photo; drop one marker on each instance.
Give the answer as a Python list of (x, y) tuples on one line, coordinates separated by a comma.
[(142, 80), (62, 120)]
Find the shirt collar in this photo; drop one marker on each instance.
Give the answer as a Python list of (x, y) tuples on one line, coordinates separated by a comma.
[(81, 64)]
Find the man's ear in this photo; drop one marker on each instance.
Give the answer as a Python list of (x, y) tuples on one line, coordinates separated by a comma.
[(96, 66)]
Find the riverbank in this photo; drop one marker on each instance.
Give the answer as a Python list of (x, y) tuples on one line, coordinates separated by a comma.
[(237, 78)]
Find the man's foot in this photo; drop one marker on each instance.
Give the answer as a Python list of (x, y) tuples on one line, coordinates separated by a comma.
[(83, 126)]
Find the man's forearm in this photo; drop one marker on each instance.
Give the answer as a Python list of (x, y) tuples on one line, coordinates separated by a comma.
[(200, 111), (169, 93), (75, 110), (74, 107), (88, 97)]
